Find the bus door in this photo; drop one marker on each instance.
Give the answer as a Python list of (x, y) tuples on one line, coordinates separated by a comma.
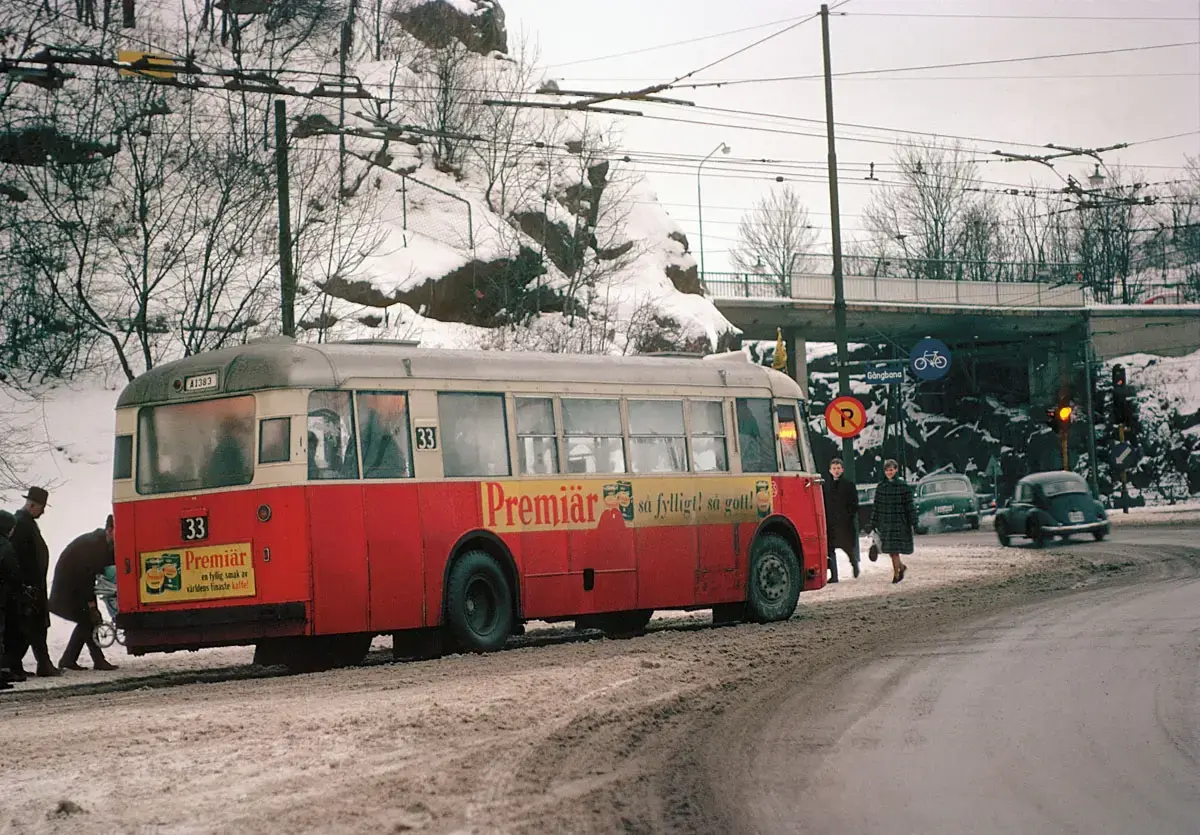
[(337, 527)]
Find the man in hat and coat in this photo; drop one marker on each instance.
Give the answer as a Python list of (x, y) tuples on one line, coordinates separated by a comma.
[(841, 517), (34, 558), (10, 592), (73, 593)]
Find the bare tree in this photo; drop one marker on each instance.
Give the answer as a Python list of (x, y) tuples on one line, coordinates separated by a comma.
[(447, 102), (1109, 235), (225, 276), (507, 145), (775, 237), (925, 220)]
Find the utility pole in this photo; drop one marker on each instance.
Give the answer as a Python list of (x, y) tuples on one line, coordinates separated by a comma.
[(287, 281), (1093, 464), (839, 294), (343, 54)]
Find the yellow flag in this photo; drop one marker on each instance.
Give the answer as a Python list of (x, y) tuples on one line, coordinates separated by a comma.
[(780, 363)]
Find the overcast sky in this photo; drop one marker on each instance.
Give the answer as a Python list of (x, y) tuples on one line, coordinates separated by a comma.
[(1087, 101)]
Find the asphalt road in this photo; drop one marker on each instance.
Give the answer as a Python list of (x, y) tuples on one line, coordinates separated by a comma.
[(1080, 715)]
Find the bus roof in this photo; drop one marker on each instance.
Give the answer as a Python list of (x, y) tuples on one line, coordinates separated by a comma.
[(283, 363)]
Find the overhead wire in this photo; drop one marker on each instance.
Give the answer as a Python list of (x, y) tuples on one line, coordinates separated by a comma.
[(950, 65)]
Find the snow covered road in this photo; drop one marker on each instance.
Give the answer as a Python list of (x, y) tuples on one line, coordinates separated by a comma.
[(557, 735)]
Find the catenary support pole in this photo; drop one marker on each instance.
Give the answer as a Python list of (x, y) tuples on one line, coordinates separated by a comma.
[(1093, 464), (287, 281), (839, 295)]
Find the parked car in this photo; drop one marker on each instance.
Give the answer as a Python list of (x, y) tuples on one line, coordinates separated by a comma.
[(946, 500), (1045, 505), (866, 501), (987, 503)]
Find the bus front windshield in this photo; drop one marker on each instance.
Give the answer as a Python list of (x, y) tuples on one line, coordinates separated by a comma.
[(195, 446)]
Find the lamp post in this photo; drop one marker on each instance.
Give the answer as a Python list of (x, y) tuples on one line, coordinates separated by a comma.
[(725, 149)]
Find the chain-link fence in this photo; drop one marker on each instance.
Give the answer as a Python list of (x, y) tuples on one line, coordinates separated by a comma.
[(435, 213)]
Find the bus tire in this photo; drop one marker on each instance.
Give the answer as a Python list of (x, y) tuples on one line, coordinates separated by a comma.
[(629, 624), (479, 608), (774, 582)]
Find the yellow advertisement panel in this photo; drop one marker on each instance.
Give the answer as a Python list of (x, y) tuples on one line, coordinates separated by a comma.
[(575, 504), (209, 573)]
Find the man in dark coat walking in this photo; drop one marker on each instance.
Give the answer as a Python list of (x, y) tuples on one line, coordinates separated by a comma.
[(841, 517), (73, 594), (893, 518), (34, 557), (10, 591)]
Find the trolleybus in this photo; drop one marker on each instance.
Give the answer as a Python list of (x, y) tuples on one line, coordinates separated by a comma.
[(304, 498)]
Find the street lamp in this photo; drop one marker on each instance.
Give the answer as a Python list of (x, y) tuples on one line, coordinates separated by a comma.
[(724, 149), (1096, 179)]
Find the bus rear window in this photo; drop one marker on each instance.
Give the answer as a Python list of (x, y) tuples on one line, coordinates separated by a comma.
[(195, 446)]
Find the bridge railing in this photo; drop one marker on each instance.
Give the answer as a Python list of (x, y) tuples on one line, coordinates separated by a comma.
[(1024, 292)]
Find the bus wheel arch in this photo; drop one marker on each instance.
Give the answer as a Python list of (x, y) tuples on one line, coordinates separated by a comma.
[(480, 575)]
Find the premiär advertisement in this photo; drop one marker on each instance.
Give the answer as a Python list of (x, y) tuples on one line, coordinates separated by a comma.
[(524, 506), (184, 574)]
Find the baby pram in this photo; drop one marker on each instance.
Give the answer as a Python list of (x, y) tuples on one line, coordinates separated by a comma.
[(106, 632)]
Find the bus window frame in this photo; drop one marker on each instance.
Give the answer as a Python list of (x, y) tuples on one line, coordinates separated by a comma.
[(509, 426), (628, 428), (622, 416), (252, 459), (724, 436), (355, 430), (774, 427), (408, 431), (515, 435)]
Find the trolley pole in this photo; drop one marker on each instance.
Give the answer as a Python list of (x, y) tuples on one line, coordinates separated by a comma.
[(287, 281), (839, 294)]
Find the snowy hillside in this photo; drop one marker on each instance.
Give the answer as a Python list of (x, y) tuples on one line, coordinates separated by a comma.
[(422, 206)]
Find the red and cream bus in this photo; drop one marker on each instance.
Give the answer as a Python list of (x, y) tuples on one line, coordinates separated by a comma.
[(305, 498)]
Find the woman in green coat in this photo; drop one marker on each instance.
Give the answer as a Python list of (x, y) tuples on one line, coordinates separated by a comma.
[(893, 518)]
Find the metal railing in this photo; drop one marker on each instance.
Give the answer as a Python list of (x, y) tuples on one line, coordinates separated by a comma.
[(880, 288), (438, 214)]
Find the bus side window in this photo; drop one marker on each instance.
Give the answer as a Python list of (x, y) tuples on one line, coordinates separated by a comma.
[(656, 437), (756, 435), (789, 437), (708, 437), (474, 434), (123, 457), (331, 447), (592, 430), (536, 438), (385, 445), (274, 440)]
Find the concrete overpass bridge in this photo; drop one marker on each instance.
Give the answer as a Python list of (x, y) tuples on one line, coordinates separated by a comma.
[(1047, 319)]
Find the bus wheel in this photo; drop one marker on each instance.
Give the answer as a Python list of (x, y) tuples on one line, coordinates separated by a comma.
[(774, 580), (624, 624), (479, 607)]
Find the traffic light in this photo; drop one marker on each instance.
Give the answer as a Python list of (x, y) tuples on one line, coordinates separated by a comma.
[(1059, 417), (1123, 411)]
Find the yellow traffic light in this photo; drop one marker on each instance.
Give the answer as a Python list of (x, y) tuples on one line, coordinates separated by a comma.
[(1064, 414)]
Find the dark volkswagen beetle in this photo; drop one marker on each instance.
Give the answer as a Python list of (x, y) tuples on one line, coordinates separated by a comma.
[(1051, 504)]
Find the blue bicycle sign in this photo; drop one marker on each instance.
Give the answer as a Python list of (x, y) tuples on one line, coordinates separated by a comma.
[(930, 359)]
